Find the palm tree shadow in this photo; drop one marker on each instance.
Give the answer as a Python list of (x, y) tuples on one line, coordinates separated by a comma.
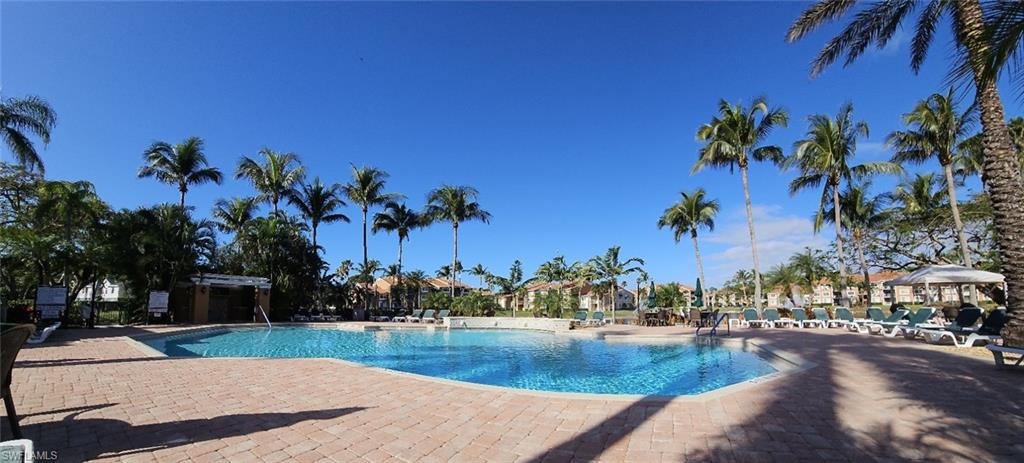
[(109, 437), (911, 403)]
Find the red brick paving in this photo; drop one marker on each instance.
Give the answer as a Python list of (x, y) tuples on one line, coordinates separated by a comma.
[(90, 395)]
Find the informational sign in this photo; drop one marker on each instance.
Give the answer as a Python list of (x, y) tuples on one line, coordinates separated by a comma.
[(158, 301), (51, 301)]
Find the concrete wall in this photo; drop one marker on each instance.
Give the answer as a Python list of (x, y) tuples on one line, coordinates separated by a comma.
[(528, 323)]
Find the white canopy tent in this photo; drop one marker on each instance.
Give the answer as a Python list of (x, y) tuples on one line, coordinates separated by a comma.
[(946, 275)]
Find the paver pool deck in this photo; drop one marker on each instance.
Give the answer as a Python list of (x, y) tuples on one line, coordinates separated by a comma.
[(93, 395)]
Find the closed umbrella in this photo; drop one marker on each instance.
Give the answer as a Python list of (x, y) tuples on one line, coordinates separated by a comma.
[(698, 295), (652, 301)]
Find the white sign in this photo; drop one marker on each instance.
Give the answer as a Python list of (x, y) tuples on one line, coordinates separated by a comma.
[(158, 301), (50, 301)]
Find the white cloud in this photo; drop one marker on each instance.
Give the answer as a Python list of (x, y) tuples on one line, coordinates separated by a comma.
[(897, 43), (779, 236), (872, 149)]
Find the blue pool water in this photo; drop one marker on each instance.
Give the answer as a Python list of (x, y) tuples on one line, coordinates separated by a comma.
[(519, 359)]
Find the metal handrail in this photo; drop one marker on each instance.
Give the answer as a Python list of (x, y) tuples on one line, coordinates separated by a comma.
[(265, 317)]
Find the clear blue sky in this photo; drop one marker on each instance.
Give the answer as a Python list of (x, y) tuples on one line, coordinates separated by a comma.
[(575, 121)]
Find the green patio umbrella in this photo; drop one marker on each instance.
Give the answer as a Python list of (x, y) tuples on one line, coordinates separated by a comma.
[(698, 295), (651, 299)]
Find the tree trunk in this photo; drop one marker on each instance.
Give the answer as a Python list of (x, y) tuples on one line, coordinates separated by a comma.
[(696, 253), (859, 244), (965, 252), (182, 202), (402, 290), (455, 256), (753, 238), (366, 258), (839, 237), (1001, 172), (615, 290)]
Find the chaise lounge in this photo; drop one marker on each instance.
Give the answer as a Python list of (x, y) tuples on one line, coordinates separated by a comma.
[(967, 337)]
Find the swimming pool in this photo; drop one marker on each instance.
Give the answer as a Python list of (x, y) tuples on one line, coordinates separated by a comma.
[(519, 359)]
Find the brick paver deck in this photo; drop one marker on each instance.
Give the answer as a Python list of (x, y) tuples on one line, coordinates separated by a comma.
[(91, 395)]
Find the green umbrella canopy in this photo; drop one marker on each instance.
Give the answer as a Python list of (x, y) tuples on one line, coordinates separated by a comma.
[(698, 295), (651, 299)]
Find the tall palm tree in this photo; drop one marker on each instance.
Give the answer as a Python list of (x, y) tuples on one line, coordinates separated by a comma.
[(938, 129), (876, 23), (367, 190), (71, 202), (972, 159), (400, 219), (513, 285), (182, 165), (732, 139), (641, 278), (233, 215), (455, 204), (416, 279), (20, 118), (319, 204), (480, 272), (787, 277), (275, 179), (810, 270), (691, 213), (824, 158), (610, 267), (861, 212)]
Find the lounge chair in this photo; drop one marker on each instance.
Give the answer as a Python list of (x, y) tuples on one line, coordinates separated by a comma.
[(844, 317), (826, 321), (860, 325), (1001, 361), (967, 337), (427, 314), (909, 328), (41, 335), (428, 317), (301, 315), (441, 315), (580, 318), (966, 318), (751, 319), (597, 318), (773, 316), (415, 315), (801, 320), (12, 339), (889, 322)]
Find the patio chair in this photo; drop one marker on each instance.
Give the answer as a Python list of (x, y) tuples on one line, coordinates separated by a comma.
[(1003, 362), (426, 315), (580, 318), (751, 319), (441, 315), (41, 335), (966, 318), (967, 337), (301, 315), (597, 318), (12, 339), (801, 320), (827, 322), (695, 317)]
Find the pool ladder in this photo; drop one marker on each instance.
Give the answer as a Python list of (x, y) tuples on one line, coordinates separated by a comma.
[(265, 318)]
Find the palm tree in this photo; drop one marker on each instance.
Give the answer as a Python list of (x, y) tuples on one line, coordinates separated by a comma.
[(610, 268), (233, 215), (21, 117), (512, 285), (181, 165), (367, 190), (319, 203), (824, 158), (555, 271), (455, 204), (919, 195), (861, 213), (416, 279), (691, 213), (939, 129), (641, 278), (732, 140), (742, 279), (399, 219), (972, 158), (275, 179), (480, 272), (786, 276), (876, 23), (809, 270)]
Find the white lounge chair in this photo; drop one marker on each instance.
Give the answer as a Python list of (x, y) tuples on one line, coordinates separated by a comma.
[(41, 335), (1002, 361), (968, 337)]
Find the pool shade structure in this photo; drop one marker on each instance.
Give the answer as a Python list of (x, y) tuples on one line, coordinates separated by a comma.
[(218, 298), (698, 295), (954, 275)]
